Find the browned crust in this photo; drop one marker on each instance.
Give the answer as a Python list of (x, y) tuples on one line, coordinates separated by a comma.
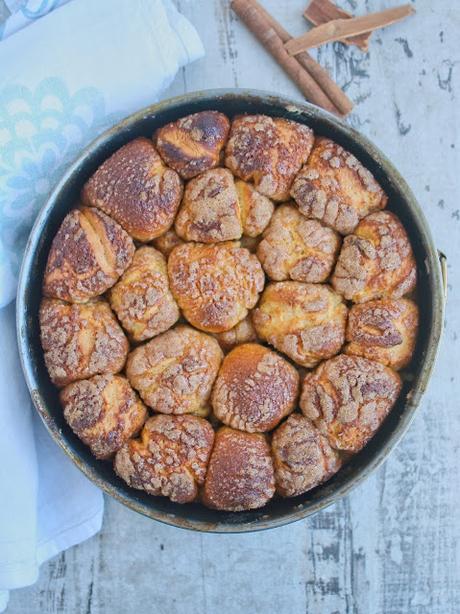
[(135, 188), (142, 299), (304, 321), (335, 188), (240, 472), (243, 332), (348, 398), (80, 340), (385, 331), (88, 254), (294, 247), (193, 143), (214, 285), (210, 210), (255, 389), (256, 209), (167, 242), (376, 261), (175, 371), (170, 459), (104, 412), (302, 457), (268, 151)]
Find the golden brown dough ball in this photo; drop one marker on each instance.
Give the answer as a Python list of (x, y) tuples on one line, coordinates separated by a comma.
[(88, 254), (243, 332), (167, 242), (142, 299), (348, 398), (169, 459), (240, 472), (104, 412), (214, 285), (376, 261), (80, 340), (135, 188), (304, 321), (174, 372), (256, 209), (296, 248), (269, 151), (302, 457), (335, 188), (193, 144), (385, 331), (255, 389), (210, 210)]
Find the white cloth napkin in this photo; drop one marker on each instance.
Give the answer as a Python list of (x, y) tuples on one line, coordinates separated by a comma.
[(63, 79)]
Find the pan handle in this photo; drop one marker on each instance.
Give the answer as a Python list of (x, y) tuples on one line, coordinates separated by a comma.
[(443, 262)]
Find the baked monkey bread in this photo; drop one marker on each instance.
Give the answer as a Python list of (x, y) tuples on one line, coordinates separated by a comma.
[(226, 312), (304, 321), (240, 473), (335, 188), (175, 371), (294, 247), (136, 189), (193, 144), (88, 254), (268, 151), (302, 456), (214, 285), (170, 458), (80, 340), (104, 412), (255, 389), (142, 299)]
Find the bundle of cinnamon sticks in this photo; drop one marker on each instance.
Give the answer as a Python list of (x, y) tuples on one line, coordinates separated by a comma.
[(331, 24)]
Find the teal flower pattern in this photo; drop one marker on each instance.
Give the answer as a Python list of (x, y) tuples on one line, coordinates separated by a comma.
[(41, 131)]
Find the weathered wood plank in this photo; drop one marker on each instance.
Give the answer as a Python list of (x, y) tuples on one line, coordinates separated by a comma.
[(392, 546)]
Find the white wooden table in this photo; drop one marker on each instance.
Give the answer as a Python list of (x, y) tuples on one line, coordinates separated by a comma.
[(392, 546)]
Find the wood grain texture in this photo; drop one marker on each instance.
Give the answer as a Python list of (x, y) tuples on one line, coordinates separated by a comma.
[(392, 546)]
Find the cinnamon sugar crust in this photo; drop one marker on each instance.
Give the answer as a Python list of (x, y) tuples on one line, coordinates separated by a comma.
[(294, 247), (348, 398), (88, 254), (335, 188), (142, 299), (256, 209), (269, 151), (302, 457), (243, 332), (304, 321), (169, 459), (175, 371), (193, 143), (210, 210), (166, 242), (104, 412), (214, 285), (376, 261), (80, 340), (255, 389), (136, 189), (385, 331), (240, 472)]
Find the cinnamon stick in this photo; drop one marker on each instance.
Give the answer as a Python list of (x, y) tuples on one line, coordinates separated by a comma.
[(344, 28), (322, 11), (338, 98), (266, 34)]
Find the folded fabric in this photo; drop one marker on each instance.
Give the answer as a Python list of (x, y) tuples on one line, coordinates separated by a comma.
[(63, 79)]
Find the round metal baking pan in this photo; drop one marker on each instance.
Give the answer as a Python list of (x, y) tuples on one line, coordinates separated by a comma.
[(431, 291)]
